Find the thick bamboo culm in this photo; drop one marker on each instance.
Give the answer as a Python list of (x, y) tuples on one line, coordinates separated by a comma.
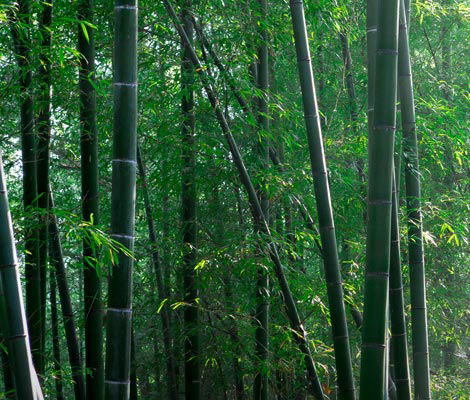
[(119, 311)]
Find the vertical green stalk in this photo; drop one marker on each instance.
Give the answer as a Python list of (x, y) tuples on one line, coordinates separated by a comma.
[(119, 314), (15, 330), (419, 324), (133, 374), (399, 343), (44, 136), (90, 204), (381, 142), (324, 209), (59, 390), (371, 31), (188, 200), (20, 25), (261, 381)]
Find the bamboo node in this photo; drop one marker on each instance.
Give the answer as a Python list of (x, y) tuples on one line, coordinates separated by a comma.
[(390, 128), (379, 202), (125, 160), (120, 310), (125, 7), (16, 337), (334, 284), (130, 237), (5, 266), (132, 84), (106, 381), (377, 274), (374, 345), (387, 52)]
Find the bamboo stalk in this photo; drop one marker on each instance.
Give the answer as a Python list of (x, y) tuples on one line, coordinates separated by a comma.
[(324, 209), (13, 316), (261, 380), (93, 307), (119, 312), (381, 150), (419, 324), (44, 135), (20, 25)]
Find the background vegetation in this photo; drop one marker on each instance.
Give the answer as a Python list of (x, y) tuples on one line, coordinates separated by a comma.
[(228, 261)]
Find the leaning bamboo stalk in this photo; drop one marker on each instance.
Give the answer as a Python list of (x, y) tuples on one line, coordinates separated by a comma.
[(274, 158), (300, 334), (419, 324), (15, 329), (399, 343), (93, 307), (119, 312), (57, 262), (325, 212), (294, 199), (59, 390), (20, 25)]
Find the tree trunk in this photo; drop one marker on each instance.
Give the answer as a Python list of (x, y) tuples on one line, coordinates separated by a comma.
[(44, 134), (13, 317), (381, 151), (90, 204), (419, 325), (119, 312), (324, 208), (59, 390), (20, 25), (188, 199), (261, 381)]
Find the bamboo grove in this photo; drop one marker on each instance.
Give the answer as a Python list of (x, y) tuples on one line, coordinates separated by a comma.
[(234, 200)]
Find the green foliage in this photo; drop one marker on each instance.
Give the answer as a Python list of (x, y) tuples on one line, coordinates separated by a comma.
[(226, 259)]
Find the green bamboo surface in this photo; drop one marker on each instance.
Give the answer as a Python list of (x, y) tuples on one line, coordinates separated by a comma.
[(58, 375), (345, 377), (419, 324), (93, 307), (261, 380), (14, 327), (119, 312), (43, 124), (188, 198), (20, 25), (381, 150), (399, 343)]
